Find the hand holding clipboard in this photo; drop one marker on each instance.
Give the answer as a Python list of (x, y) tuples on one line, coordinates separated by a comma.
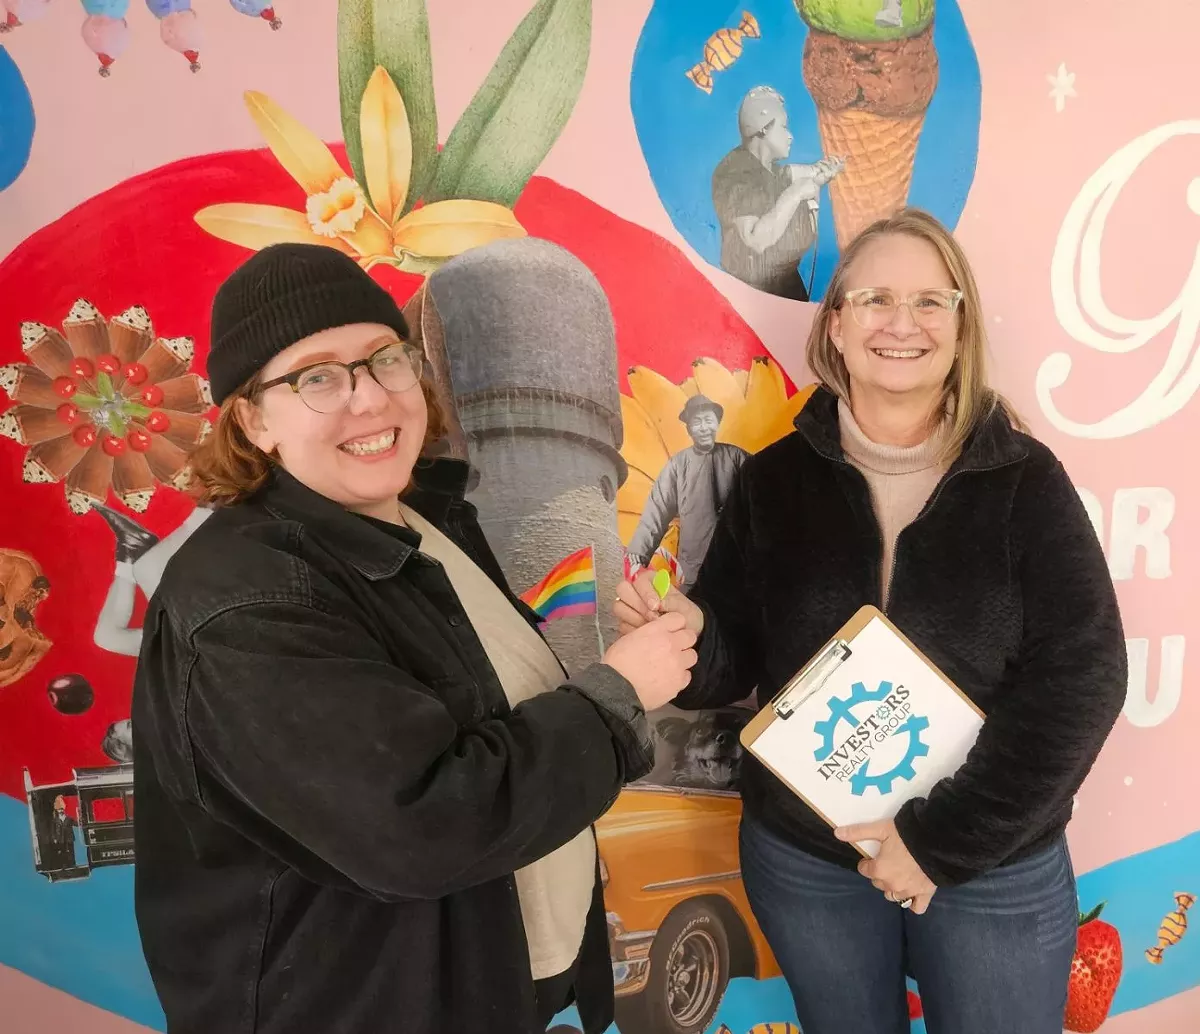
[(867, 724)]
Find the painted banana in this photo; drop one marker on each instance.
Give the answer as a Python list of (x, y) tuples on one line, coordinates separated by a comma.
[(663, 401), (633, 494), (785, 416), (643, 447), (717, 383), (749, 424)]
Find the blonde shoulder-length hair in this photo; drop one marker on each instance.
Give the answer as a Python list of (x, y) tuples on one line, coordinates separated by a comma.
[(966, 395)]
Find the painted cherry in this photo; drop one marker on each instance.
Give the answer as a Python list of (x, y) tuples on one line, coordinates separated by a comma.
[(135, 373), (112, 445), (82, 367), (84, 435), (110, 364), (139, 440), (158, 422), (68, 413), (152, 395), (65, 387)]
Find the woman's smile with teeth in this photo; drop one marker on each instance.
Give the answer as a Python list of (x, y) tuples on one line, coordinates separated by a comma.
[(370, 446), (899, 353)]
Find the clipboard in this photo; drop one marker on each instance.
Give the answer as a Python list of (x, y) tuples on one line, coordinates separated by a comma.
[(867, 724)]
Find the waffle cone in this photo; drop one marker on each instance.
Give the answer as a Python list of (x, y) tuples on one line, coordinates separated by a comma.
[(879, 152)]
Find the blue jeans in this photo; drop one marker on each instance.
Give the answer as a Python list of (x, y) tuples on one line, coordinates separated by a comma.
[(990, 957)]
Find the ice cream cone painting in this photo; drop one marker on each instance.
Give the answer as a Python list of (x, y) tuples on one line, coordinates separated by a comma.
[(871, 68), (852, 108)]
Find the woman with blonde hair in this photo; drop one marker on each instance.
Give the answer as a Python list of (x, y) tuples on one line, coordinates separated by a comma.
[(365, 785), (910, 483)]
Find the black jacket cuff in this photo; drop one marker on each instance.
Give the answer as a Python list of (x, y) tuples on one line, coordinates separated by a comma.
[(616, 700)]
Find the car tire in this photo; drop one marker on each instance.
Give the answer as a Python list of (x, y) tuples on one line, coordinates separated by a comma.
[(689, 972)]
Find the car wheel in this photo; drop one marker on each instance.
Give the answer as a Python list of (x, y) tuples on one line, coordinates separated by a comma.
[(689, 971)]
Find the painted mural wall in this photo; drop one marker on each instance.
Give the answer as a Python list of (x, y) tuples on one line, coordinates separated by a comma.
[(705, 162)]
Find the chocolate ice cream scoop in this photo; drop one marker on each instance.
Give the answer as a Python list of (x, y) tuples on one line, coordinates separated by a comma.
[(892, 78)]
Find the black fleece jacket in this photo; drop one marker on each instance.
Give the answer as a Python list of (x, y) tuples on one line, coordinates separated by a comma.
[(1000, 580)]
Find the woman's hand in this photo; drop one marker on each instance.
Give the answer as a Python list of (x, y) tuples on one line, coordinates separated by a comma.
[(656, 659), (893, 870), (637, 603)]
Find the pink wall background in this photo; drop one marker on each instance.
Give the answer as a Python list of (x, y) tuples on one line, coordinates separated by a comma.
[(1135, 73)]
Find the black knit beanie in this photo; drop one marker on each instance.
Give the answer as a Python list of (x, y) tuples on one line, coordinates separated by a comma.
[(281, 295)]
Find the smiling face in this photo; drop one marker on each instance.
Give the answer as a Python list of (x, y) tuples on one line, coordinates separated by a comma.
[(703, 428), (361, 455), (903, 357)]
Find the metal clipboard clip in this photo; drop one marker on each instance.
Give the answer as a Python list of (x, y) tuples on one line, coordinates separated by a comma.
[(809, 679)]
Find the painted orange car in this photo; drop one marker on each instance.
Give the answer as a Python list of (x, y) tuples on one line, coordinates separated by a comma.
[(680, 926)]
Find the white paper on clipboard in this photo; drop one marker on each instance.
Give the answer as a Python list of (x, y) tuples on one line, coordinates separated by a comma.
[(868, 724)]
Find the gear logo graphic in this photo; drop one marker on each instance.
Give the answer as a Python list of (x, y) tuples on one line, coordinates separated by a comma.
[(842, 710)]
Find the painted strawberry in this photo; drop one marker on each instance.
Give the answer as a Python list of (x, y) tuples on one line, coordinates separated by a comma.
[(1095, 973)]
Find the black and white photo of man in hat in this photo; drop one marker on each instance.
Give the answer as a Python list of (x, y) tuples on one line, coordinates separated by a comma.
[(692, 487)]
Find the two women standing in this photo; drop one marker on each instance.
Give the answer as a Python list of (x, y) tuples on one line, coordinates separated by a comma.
[(366, 787)]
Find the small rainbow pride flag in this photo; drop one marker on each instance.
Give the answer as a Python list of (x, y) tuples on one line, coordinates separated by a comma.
[(569, 588)]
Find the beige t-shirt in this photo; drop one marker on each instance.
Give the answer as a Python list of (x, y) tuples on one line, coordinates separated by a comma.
[(555, 891)]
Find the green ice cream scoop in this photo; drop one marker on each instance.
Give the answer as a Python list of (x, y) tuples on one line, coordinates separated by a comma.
[(866, 19)]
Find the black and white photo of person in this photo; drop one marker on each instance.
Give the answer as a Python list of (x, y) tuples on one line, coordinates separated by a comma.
[(692, 487), (767, 210), (140, 558), (60, 841)]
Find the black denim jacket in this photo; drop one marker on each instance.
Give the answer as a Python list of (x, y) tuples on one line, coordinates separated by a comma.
[(332, 792)]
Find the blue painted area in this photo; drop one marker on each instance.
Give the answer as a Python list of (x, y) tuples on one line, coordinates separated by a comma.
[(16, 121), (1139, 891), (747, 1004), (684, 132), (78, 936), (81, 936)]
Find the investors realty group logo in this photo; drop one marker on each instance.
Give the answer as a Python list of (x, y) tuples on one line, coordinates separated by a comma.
[(877, 732)]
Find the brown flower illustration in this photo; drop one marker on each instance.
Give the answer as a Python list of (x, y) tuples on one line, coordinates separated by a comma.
[(105, 405)]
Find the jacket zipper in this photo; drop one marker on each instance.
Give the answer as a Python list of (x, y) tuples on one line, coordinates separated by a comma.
[(886, 589)]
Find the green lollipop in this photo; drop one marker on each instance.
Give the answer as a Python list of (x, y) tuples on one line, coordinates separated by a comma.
[(662, 583)]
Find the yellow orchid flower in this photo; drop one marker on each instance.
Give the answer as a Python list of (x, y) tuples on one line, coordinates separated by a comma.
[(758, 411), (337, 211)]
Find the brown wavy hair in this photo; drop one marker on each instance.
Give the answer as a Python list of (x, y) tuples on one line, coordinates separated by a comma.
[(966, 394), (227, 468)]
